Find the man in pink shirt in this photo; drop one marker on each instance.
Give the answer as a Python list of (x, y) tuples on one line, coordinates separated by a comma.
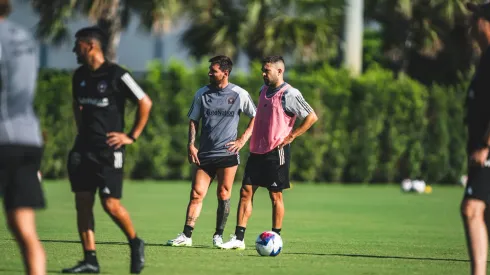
[(268, 164)]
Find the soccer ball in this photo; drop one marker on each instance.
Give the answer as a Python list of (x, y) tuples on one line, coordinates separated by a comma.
[(268, 243), (418, 186), (406, 185)]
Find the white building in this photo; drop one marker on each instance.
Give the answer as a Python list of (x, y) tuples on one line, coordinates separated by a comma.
[(136, 48)]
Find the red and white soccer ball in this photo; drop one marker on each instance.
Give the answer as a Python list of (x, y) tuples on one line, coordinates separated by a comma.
[(268, 243)]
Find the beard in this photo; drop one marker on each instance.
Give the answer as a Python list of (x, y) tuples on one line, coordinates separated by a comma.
[(269, 81), (215, 80), (80, 60)]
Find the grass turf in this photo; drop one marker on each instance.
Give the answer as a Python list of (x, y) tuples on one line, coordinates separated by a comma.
[(328, 229)]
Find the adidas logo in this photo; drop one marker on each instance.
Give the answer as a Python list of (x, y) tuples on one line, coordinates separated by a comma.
[(274, 184), (106, 190), (82, 84)]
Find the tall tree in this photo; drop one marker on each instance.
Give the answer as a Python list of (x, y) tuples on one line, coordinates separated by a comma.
[(353, 35), (214, 28), (306, 30), (113, 16), (426, 39)]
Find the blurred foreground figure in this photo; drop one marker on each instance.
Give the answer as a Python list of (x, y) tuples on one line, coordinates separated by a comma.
[(20, 140)]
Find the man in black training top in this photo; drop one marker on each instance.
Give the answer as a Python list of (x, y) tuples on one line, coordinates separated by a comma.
[(474, 207), (100, 90)]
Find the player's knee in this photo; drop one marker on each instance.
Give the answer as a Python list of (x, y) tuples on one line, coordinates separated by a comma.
[(246, 193), (473, 209), (84, 201), (196, 197), (224, 193), (111, 205), (276, 197)]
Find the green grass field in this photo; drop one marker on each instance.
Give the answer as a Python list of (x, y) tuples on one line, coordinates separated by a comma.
[(328, 229)]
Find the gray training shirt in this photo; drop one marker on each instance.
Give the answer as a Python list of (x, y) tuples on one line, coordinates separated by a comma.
[(220, 111), (292, 101), (18, 75)]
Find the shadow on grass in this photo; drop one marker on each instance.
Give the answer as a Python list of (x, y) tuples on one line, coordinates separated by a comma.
[(379, 256), (21, 271), (116, 243)]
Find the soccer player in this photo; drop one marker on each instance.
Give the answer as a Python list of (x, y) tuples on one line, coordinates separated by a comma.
[(20, 140), (268, 164), (474, 206), (219, 106), (100, 90)]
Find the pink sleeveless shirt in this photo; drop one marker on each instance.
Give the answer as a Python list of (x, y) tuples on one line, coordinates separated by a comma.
[(272, 124)]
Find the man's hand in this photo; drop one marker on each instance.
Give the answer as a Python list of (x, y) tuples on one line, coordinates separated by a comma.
[(235, 146), (287, 141), (192, 154), (479, 157), (118, 139)]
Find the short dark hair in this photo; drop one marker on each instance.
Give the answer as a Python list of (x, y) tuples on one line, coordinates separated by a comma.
[(89, 33), (5, 8), (273, 59), (223, 61)]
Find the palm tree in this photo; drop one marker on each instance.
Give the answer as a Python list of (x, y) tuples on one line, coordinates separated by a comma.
[(110, 15), (214, 28), (420, 34), (307, 30)]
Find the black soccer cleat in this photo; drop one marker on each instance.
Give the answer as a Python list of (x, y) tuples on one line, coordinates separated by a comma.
[(137, 256), (82, 267)]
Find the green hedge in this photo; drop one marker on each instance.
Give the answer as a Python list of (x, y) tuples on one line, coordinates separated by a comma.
[(371, 129)]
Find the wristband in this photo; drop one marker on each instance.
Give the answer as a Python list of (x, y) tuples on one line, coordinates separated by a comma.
[(131, 137)]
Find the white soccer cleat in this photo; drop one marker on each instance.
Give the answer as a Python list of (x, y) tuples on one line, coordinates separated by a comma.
[(181, 240), (217, 240), (233, 244)]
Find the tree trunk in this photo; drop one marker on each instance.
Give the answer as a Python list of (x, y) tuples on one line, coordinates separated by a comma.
[(353, 36), (110, 22)]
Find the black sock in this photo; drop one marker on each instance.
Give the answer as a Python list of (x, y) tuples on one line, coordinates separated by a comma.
[(188, 231), (240, 233), (90, 257), (222, 214), (134, 240), (218, 232), (277, 230)]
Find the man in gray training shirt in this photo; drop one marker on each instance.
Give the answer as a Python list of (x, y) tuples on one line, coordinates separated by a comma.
[(20, 140), (219, 106)]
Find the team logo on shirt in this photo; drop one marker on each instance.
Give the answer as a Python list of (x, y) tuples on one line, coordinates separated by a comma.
[(102, 86), (471, 94), (231, 100)]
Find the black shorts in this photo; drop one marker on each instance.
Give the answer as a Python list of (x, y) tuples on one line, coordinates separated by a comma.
[(211, 165), (478, 184), (19, 182), (270, 170), (102, 169)]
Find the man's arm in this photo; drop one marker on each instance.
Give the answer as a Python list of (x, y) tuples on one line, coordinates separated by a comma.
[(77, 109), (247, 106), (296, 104), (77, 114), (305, 125), (144, 107), (192, 150), (235, 146), (131, 90)]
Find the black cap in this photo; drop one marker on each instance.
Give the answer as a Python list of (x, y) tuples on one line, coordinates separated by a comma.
[(479, 10)]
